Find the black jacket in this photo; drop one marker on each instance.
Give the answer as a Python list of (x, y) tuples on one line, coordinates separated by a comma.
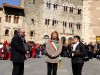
[(82, 53), (17, 49)]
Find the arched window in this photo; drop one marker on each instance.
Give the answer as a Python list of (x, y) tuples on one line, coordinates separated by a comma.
[(15, 32), (6, 18), (31, 33), (6, 32)]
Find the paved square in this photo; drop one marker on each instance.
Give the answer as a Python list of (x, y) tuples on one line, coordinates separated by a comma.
[(38, 67)]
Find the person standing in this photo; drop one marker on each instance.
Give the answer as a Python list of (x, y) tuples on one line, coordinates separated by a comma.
[(53, 50), (64, 52), (18, 52), (78, 54)]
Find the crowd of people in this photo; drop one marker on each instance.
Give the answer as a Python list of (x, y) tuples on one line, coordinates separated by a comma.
[(36, 50), (33, 50), (93, 50)]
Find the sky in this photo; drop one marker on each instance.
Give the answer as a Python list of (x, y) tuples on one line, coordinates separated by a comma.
[(14, 2)]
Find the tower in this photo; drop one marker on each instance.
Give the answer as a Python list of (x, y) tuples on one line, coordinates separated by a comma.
[(22, 3)]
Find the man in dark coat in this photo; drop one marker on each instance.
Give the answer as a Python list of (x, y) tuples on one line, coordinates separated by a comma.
[(78, 54), (18, 52)]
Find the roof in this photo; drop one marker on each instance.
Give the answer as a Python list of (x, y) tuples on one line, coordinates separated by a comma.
[(12, 6)]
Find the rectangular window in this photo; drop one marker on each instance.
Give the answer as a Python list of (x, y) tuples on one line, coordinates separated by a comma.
[(33, 1), (16, 19), (65, 8), (48, 5), (31, 33), (78, 26), (71, 9), (54, 22), (0, 19), (70, 24), (79, 11), (32, 21), (8, 18), (55, 6), (64, 24), (47, 21)]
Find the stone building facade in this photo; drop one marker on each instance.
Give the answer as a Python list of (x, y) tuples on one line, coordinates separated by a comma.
[(68, 17), (91, 20), (11, 19), (44, 16)]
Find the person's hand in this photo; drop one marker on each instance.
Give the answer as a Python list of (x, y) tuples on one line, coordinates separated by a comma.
[(27, 51), (52, 56), (76, 52)]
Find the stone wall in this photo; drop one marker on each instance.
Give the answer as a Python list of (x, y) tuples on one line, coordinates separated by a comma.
[(91, 20), (39, 11)]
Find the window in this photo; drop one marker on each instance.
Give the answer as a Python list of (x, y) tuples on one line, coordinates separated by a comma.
[(79, 11), (6, 32), (78, 26), (55, 6), (64, 24), (31, 33), (54, 22), (33, 1), (0, 19), (15, 32), (71, 9), (47, 21), (70, 24), (49, 5), (65, 8), (8, 18), (16, 19), (32, 21)]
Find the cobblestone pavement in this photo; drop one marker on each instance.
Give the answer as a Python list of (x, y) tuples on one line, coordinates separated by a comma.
[(38, 67)]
